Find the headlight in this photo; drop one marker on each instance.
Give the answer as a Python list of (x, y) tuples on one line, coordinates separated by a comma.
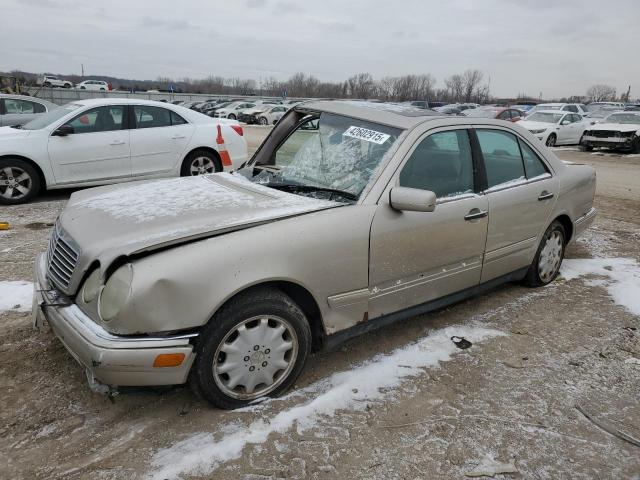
[(91, 287), (115, 293), (541, 130)]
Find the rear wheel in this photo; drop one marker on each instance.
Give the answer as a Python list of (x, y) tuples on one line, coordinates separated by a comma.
[(67, 85), (255, 346), (551, 140), (546, 263), (231, 116), (46, 84), (19, 181), (263, 121), (200, 162)]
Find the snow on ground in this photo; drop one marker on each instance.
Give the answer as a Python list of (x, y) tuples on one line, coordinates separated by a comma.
[(354, 389), (16, 295), (622, 282)]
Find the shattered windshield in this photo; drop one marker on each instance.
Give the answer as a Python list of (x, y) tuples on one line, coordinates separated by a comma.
[(328, 155)]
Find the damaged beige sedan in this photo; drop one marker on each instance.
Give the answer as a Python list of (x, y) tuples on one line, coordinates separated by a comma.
[(350, 216)]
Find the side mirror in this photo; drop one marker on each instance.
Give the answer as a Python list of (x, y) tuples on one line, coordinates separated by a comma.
[(63, 131), (412, 199), (565, 122)]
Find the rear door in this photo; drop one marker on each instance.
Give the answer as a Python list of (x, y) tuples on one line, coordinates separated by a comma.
[(521, 191), (158, 140), (97, 150)]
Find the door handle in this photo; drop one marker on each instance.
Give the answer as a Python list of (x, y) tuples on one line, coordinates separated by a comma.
[(177, 137), (117, 142), (475, 213), (545, 195)]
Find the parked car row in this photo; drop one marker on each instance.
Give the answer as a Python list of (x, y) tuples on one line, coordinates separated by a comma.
[(52, 81)]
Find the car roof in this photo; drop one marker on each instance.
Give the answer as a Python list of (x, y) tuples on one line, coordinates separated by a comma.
[(119, 101), (26, 97), (392, 114), (555, 112)]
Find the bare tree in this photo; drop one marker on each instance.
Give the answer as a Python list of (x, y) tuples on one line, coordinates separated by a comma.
[(601, 93)]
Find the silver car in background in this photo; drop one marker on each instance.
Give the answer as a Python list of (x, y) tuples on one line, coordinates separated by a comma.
[(21, 109), (349, 216)]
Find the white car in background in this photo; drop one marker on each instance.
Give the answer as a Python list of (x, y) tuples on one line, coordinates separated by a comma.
[(95, 85), (20, 109), (51, 81), (562, 107), (232, 111), (102, 141), (555, 127), (619, 130)]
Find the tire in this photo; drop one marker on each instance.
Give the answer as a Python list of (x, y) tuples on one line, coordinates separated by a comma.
[(551, 140), (102, 89), (19, 181), (46, 84), (252, 317), (231, 116), (546, 264), (263, 121), (200, 162), (66, 85), (83, 88), (635, 147)]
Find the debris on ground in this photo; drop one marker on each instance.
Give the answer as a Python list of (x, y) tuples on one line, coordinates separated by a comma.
[(461, 342), (489, 467)]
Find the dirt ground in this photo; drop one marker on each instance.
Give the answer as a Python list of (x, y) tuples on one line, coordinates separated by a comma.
[(512, 398)]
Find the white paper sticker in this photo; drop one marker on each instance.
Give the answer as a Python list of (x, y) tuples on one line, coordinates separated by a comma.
[(366, 134)]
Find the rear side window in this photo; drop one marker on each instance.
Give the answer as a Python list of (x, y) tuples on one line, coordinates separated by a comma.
[(502, 159), (441, 163), (177, 119), (151, 117), (533, 166), (17, 106)]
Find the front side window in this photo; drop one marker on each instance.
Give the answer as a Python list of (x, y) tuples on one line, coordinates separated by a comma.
[(328, 152), (441, 163), (151, 117), (502, 159), (99, 119)]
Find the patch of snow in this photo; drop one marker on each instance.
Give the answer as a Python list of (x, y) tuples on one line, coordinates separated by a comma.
[(489, 467), (16, 295), (622, 277), (202, 453)]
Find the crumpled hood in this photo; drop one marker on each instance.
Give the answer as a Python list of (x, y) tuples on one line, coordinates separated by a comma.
[(108, 222), (529, 125), (9, 133), (616, 127)]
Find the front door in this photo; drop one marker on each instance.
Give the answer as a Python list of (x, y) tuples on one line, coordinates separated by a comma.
[(420, 256), (97, 150), (521, 193), (158, 140)]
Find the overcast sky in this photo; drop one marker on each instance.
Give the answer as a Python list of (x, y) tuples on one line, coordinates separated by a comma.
[(553, 47)]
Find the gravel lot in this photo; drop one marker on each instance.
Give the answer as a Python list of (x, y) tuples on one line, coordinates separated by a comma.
[(509, 399)]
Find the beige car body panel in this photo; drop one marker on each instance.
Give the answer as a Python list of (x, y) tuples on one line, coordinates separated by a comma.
[(358, 262)]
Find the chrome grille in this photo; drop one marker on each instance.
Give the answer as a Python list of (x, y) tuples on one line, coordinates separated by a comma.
[(61, 259)]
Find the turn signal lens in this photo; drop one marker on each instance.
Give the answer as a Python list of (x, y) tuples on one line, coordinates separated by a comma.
[(168, 360)]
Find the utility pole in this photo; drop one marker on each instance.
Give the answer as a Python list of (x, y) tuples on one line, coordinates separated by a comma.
[(82, 67), (628, 94)]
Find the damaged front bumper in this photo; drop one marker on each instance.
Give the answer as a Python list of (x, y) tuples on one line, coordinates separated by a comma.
[(623, 143), (109, 359)]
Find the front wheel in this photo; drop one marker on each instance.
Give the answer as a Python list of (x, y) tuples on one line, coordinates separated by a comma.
[(19, 182), (263, 121), (255, 346), (551, 140), (66, 85), (546, 263), (231, 116)]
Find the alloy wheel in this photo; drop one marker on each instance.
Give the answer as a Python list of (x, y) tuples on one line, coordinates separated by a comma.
[(202, 165), (15, 183)]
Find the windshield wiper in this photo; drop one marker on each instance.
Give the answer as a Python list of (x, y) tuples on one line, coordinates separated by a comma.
[(312, 188)]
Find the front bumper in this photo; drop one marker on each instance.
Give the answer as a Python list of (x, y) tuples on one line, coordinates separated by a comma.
[(108, 359), (607, 142)]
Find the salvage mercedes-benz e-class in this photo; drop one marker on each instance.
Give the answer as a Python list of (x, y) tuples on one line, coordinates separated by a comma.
[(350, 215)]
